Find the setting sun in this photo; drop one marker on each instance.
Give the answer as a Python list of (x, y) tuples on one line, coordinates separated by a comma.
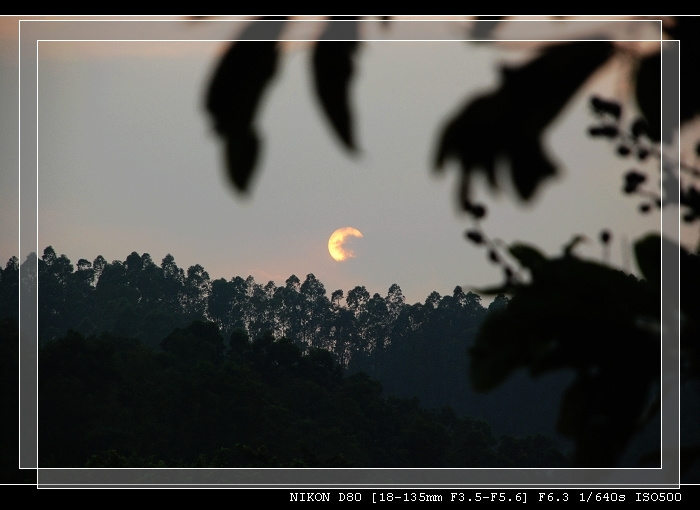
[(335, 243)]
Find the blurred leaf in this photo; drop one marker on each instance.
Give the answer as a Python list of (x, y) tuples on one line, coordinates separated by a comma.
[(649, 94), (648, 253), (529, 257), (241, 156), (333, 68), (585, 317), (506, 288), (689, 197), (496, 356), (600, 412), (571, 245), (235, 93), (507, 125)]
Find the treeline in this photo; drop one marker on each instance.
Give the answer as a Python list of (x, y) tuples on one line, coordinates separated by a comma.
[(415, 350), (138, 298), (109, 401)]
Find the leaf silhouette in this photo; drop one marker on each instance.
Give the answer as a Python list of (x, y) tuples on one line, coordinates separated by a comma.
[(235, 92), (506, 126), (601, 413), (648, 253), (649, 94), (571, 312), (333, 68), (529, 257)]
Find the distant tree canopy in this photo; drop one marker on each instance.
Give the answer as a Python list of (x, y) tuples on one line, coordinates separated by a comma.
[(137, 298)]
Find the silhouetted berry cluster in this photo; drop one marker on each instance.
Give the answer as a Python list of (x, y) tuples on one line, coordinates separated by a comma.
[(633, 141), (636, 141)]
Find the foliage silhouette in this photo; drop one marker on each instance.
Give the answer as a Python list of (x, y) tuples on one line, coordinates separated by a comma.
[(333, 69), (579, 315), (504, 124), (109, 401), (540, 322), (235, 93)]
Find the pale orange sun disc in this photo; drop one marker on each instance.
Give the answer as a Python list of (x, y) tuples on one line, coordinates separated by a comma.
[(335, 243)]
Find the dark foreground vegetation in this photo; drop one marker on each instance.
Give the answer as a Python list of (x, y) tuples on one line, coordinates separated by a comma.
[(111, 402)]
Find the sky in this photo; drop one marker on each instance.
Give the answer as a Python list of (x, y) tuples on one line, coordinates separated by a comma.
[(128, 161)]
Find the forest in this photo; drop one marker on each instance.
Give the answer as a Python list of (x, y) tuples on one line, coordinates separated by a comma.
[(147, 365)]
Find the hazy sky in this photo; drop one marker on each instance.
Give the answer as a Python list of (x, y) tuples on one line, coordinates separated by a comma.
[(128, 162)]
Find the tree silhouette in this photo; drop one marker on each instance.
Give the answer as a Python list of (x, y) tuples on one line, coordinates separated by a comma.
[(563, 312)]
